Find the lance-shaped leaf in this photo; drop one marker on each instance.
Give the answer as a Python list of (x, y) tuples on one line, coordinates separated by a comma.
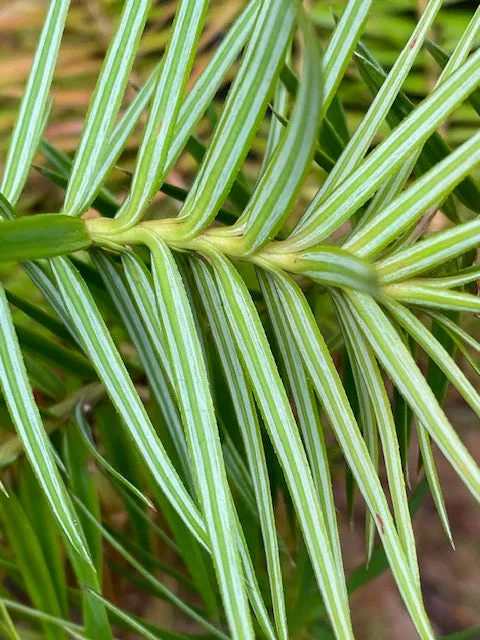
[(339, 50), (271, 396), (417, 293), (389, 155), (367, 366), (196, 405), (427, 192), (402, 369), (244, 108), (26, 417), (285, 173), (102, 352), (168, 96), (31, 117), (367, 129), (436, 351), (328, 385), (307, 412), (439, 248), (105, 104), (246, 413), (192, 109), (146, 334)]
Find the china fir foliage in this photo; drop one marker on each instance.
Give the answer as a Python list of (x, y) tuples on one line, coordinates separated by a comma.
[(205, 374)]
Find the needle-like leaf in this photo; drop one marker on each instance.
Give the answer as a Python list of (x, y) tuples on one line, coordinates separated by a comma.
[(342, 43), (389, 155), (428, 191), (283, 177), (30, 560), (308, 415), (192, 109), (105, 104), (400, 366), (439, 248), (243, 110), (30, 122), (191, 383), (330, 390), (417, 293), (159, 587), (367, 365), (364, 134), (26, 417), (169, 93), (248, 422), (436, 352), (146, 334), (272, 399), (103, 354)]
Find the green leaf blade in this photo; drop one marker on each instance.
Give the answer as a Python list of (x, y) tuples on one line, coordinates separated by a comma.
[(202, 434)]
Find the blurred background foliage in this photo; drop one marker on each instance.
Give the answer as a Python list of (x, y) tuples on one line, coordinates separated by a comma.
[(451, 581)]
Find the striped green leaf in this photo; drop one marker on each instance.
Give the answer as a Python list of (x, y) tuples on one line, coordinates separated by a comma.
[(436, 352), (161, 589), (169, 93), (307, 412), (370, 372), (30, 122), (191, 384), (26, 417), (248, 422), (285, 173), (327, 384), (342, 43), (389, 155), (437, 249), (431, 474), (365, 132), (272, 399), (243, 110), (99, 346), (105, 104), (193, 107), (428, 191), (400, 366), (416, 293), (147, 335)]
